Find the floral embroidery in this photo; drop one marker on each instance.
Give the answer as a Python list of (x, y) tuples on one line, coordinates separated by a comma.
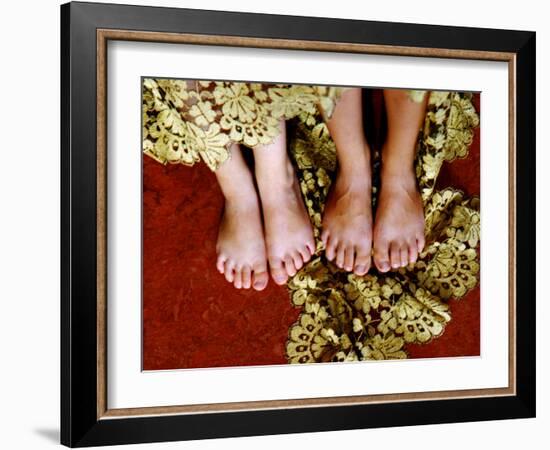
[(245, 113)]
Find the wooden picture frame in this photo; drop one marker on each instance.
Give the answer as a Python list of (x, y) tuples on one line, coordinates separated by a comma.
[(86, 419)]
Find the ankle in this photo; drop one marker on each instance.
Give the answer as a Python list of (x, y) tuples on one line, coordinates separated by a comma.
[(393, 168), (279, 174), (399, 176), (242, 202), (356, 167), (355, 178), (239, 193)]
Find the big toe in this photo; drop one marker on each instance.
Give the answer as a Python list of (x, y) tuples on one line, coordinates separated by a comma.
[(383, 264), (362, 266), (279, 275), (363, 259), (382, 258), (259, 280)]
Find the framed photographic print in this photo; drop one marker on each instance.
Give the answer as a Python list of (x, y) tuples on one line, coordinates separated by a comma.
[(278, 224)]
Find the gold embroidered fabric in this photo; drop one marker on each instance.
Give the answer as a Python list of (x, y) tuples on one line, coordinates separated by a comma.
[(350, 318), (188, 121), (344, 317)]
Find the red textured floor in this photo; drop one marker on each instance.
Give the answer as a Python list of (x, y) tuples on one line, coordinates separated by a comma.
[(193, 318)]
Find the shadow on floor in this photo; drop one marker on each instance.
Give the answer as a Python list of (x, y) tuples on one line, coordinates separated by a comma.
[(51, 434)]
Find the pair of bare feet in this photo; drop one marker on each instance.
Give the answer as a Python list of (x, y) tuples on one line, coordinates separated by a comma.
[(396, 235), (283, 239), (355, 240), (272, 233)]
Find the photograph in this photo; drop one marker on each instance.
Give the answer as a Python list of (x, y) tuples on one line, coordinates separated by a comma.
[(292, 223)]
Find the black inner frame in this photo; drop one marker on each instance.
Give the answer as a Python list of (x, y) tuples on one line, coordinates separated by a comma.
[(79, 424)]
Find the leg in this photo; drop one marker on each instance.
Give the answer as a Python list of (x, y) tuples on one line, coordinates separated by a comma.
[(347, 219), (240, 246), (399, 223), (288, 231)]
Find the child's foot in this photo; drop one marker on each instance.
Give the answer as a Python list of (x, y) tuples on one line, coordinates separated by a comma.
[(399, 222), (240, 246), (347, 222), (288, 231)]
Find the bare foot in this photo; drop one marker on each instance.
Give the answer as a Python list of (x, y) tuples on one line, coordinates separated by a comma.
[(399, 222), (288, 231), (241, 245), (347, 222)]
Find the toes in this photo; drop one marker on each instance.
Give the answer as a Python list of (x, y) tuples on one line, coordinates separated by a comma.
[(260, 277), (363, 258), (404, 256), (305, 254), (220, 263), (420, 241), (349, 258), (382, 256), (395, 255), (330, 252), (413, 252), (237, 279), (229, 274), (289, 266), (310, 245), (298, 261), (362, 264), (361, 269), (278, 272), (324, 237), (246, 277), (340, 256)]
